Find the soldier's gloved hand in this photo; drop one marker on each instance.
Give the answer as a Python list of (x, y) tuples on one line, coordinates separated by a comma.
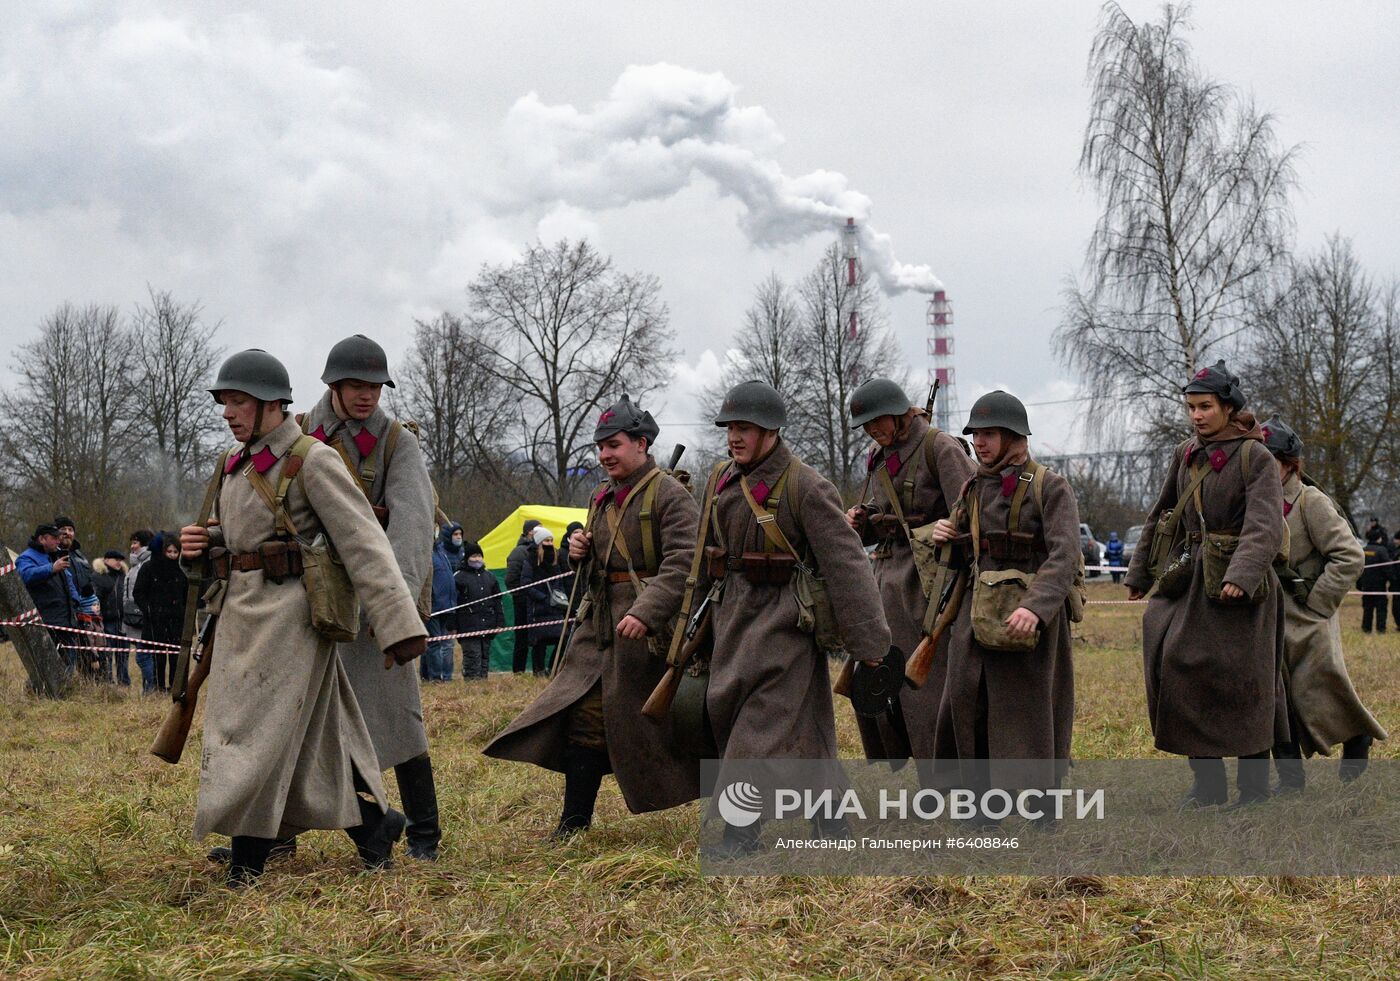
[(404, 651)]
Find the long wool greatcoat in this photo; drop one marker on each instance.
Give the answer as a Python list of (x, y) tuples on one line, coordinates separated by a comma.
[(651, 772), (283, 733), (1029, 696), (770, 691), (390, 700), (1323, 706), (901, 593), (1213, 670)]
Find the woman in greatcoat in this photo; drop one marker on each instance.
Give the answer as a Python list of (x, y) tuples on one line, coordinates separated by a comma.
[(285, 746), (1324, 559), (999, 702), (1213, 664), (769, 694), (916, 473), (588, 722)]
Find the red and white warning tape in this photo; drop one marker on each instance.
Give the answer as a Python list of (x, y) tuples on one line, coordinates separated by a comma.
[(7, 569), (504, 592), (497, 630), (30, 618)]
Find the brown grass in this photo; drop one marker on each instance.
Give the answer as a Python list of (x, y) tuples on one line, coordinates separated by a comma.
[(99, 877)]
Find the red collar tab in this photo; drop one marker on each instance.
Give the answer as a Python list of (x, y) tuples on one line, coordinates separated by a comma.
[(1287, 507), (365, 442), (1008, 484), (760, 492), (264, 460), (233, 461), (870, 460), (893, 464), (320, 434)]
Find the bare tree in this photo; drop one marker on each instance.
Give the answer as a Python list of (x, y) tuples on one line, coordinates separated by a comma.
[(1196, 217), (1323, 355), (772, 346), (566, 332), (67, 429), (837, 361), (176, 354)]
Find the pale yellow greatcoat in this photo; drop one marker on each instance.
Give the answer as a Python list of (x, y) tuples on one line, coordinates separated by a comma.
[(283, 734), (1323, 706)]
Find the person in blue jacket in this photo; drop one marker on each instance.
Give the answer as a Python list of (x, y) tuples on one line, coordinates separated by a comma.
[(1113, 555), (447, 559)]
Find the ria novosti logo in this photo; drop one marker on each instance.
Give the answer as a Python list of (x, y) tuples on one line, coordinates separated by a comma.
[(740, 804)]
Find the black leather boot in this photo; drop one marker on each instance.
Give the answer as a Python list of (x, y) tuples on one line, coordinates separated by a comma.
[(1208, 786), (1356, 756), (583, 775), (736, 842), (247, 857), (1288, 759), (281, 848), (1251, 780), (374, 837), (419, 796)]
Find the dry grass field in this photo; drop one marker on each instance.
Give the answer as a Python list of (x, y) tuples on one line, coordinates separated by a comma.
[(99, 877)]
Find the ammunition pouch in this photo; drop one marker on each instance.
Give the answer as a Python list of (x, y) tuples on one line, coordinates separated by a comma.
[(1170, 566), (815, 614), (1015, 546), (716, 562), (278, 560), (381, 514), (767, 568)]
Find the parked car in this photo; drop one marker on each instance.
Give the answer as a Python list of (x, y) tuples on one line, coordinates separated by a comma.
[(1130, 541), (1093, 551)]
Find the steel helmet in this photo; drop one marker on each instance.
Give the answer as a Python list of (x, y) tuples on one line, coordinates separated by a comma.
[(878, 397), (256, 372), (359, 358), (753, 401), (998, 410)]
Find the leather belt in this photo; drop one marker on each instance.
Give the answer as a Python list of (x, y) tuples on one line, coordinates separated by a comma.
[(626, 577), (252, 561)]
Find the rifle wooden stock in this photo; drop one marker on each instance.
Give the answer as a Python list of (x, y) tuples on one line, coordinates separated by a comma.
[(843, 680), (170, 741), (917, 667), (658, 704)]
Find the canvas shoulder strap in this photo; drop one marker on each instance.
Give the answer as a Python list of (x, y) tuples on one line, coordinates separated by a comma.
[(767, 514), (277, 502), (1031, 478), (614, 514)]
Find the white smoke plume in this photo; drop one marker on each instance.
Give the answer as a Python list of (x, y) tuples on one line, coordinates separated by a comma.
[(660, 129)]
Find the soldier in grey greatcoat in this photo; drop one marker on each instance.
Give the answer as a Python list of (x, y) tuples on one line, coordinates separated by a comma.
[(285, 746), (1324, 559), (386, 460), (1002, 701), (1212, 636), (588, 721), (769, 693), (916, 473)]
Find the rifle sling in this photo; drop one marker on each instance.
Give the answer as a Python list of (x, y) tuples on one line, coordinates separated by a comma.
[(182, 665)]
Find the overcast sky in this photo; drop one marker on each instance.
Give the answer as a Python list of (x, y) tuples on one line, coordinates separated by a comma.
[(315, 169)]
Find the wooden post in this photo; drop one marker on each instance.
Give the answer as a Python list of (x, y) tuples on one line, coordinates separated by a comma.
[(33, 644)]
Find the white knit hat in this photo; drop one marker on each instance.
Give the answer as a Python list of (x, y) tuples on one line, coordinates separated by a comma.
[(541, 534)]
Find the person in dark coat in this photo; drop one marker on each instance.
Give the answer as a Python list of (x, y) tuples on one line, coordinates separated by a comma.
[(541, 563), (1375, 579), (447, 559), (160, 591), (1395, 580), (47, 575), (515, 564), (1010, 691), (1213, 636), (478, 587), (915, 474), (588, 721), (108, 574)]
